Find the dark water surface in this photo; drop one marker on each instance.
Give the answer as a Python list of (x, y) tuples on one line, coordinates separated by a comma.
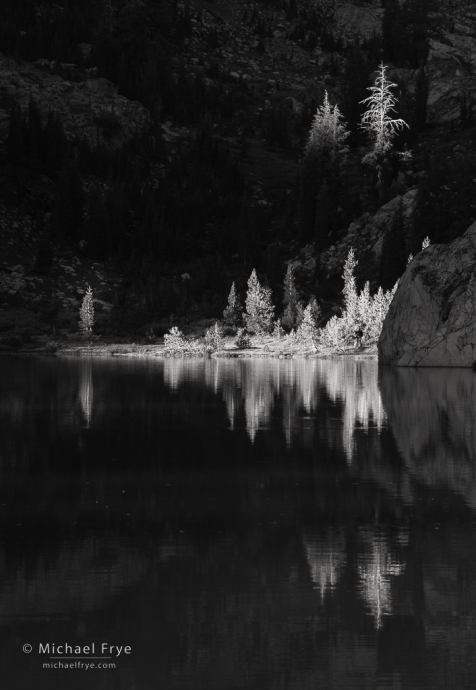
[(240, 524)]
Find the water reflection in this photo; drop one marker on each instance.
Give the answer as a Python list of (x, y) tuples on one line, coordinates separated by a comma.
[(295, 387), (432, 414), (86, 390), (282, 524), (326, 557), (376, 566)]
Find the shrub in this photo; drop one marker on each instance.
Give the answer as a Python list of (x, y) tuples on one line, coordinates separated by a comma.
[(175, 341), (243, 340)]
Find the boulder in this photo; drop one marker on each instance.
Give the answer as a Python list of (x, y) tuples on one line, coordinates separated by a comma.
[(432, 319)]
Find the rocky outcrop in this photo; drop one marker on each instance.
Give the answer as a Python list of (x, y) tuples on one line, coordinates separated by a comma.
[(362, 21), (432, 319), (449, 69), (89, 109)]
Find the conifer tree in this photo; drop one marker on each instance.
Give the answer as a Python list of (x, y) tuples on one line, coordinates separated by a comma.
[(86, 315), (377, 119), (322, 161), (350, 289), (292, 304), (232, 314), (259, 307), (328, 131), (308, 330)]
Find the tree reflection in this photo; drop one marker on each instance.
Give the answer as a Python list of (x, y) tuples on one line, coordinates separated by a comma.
[(375, 570), (86, 390), (326, 557)]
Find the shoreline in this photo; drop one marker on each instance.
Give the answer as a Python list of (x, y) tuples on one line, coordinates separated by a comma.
[(158, 352)]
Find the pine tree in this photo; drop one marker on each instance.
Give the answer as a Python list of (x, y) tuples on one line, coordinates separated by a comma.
[(328, 131), (214, 340), (86, 315), (259, 307), (377, 119), (308, 330), (292, 303), (232, 314), (322, 162), (350, 289)]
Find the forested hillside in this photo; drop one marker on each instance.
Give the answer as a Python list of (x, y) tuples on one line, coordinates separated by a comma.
[(161, 150)]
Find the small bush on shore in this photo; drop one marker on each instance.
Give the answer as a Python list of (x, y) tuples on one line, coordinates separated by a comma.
[(243, 340)]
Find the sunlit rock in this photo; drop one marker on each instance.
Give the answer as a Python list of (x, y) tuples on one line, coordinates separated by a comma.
[(431, 321)]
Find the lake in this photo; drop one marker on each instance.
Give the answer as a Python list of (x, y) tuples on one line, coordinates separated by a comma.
[(236, 525)]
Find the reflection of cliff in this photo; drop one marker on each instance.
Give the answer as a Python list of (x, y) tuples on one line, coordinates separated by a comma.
[(326, 557), (432, 413)]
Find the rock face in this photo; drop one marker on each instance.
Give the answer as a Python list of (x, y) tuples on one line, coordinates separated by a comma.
[(90, 109), (432, 319), (364, 21)]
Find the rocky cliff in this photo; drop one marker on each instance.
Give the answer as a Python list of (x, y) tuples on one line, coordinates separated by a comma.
[(90, 109), (432, 319)]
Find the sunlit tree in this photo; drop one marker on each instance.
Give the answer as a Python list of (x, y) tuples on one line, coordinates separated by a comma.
[(328, 131), (259, 307), (86, 315), (378, 120)]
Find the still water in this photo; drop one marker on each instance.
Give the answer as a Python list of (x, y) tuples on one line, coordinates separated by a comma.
[(239, 524)]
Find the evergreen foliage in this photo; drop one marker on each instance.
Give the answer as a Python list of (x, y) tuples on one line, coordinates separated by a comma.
[(293, 309), (214, 340), (86, 315), (232, 314), (377, 118), (242, 340), (308, 330), (363, 314), (324, 155), (259, 307)]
